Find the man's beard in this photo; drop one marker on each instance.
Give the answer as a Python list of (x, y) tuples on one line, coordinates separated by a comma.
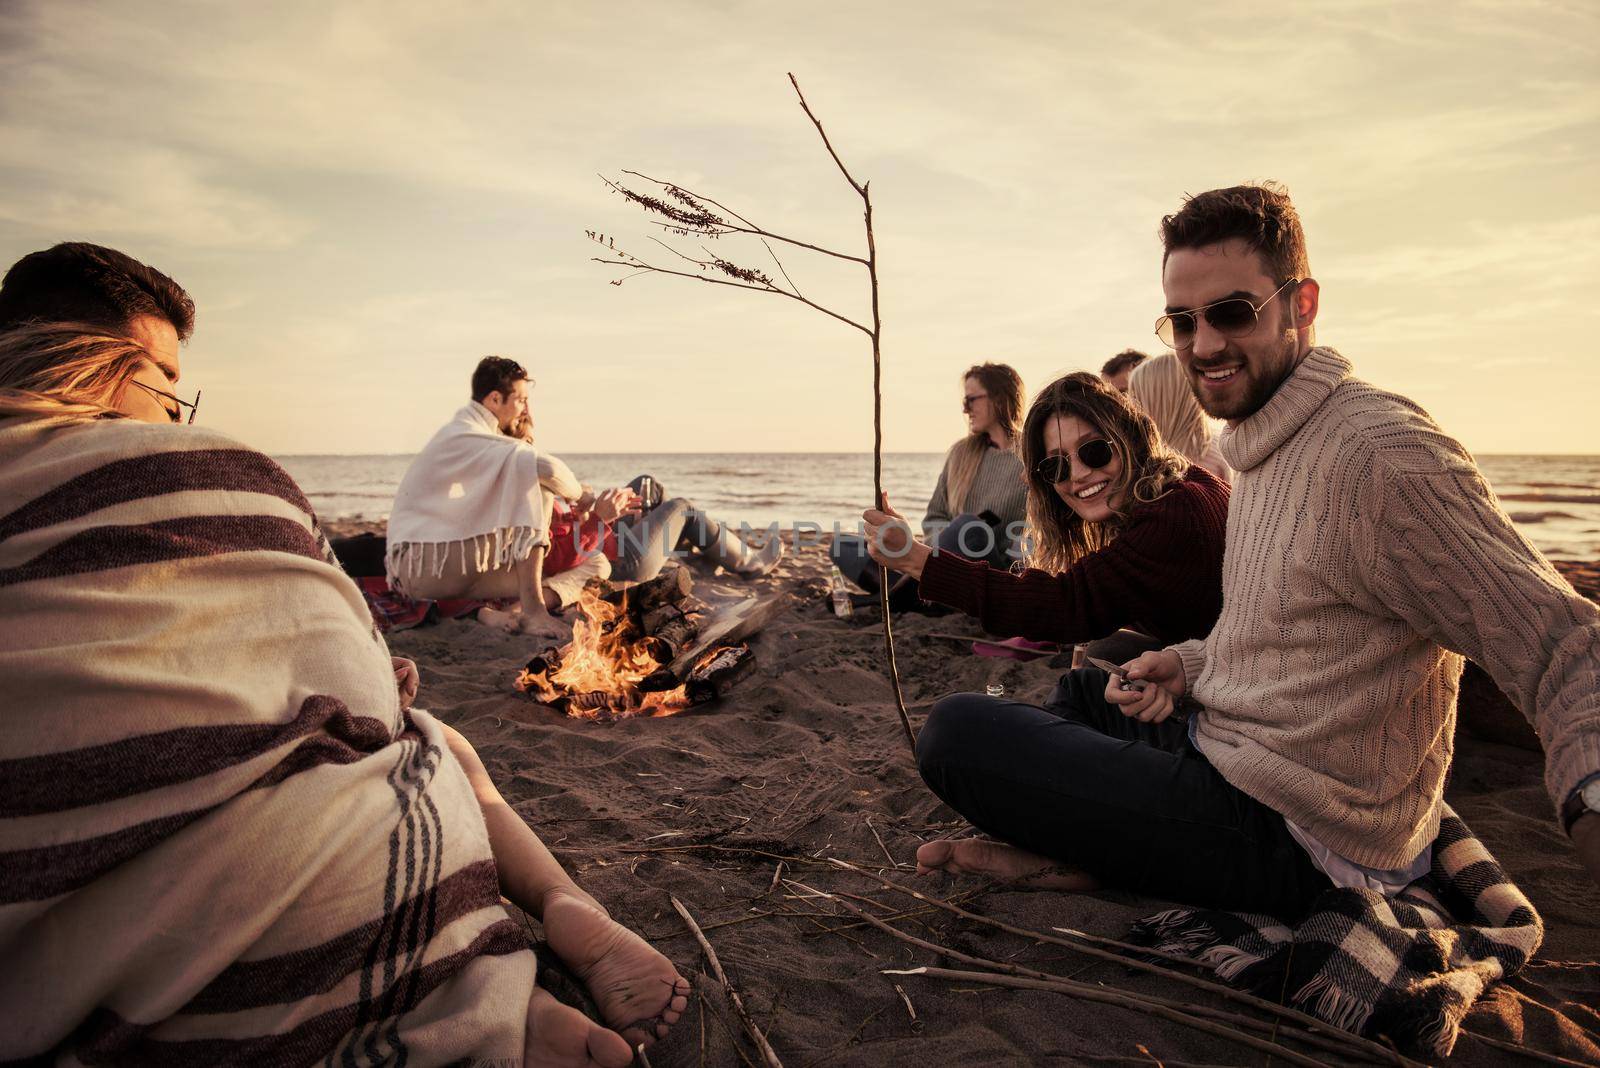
[(1260, 383)]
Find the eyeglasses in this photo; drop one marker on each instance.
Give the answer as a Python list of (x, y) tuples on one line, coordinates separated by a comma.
[(1093, 454), (174, 413), (968, 401), (1234, 317)]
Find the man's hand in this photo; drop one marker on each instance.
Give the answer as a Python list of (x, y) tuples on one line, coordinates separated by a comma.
[(614, 503), (1586, 840), (407, 679), (1163, 670), (889, 541)]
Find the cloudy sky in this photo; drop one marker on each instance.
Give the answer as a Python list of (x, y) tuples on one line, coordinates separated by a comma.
[(365, 198)]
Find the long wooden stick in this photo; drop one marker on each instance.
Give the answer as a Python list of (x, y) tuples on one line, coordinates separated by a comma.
[(756, 1036), (1311, 1023), (1110, 997), (1169, 1009), (864, 190)]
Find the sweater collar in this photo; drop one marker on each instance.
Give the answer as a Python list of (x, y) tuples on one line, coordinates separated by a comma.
[(1252, 439)]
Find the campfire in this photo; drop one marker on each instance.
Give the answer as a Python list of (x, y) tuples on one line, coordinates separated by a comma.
[(647, 651)]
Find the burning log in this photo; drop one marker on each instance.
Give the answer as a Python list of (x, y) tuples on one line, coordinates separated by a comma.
[(669, 587), (719, 671)]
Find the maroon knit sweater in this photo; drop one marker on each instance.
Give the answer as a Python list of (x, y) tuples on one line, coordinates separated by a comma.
[(1161, 575)]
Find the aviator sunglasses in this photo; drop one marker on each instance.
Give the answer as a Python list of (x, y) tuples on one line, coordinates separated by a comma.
[(1092, 454), (1234, 317), (174, 413)]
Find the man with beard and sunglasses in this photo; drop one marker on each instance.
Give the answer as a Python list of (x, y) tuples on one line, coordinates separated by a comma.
[(1365, 557)]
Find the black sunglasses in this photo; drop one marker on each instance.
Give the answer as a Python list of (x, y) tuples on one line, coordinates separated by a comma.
[(176, 413), (1234, 317), (969, 400), (1093, 454)]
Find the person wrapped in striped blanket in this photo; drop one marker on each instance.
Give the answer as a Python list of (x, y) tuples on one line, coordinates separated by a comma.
[(225, 835)]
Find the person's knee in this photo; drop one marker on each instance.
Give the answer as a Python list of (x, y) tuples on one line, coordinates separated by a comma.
[(951, 730), (969, 536)]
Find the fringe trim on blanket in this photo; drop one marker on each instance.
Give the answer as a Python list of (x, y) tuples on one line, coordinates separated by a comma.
[(497, 550)]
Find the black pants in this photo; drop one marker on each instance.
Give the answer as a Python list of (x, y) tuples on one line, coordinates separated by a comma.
[(1134, 804)]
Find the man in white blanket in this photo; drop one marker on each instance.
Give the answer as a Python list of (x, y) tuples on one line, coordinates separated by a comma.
[(473, 513)]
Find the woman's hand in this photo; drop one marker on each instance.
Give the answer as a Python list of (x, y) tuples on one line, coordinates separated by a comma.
[(1162, 671), (889, 541), (407, 679)]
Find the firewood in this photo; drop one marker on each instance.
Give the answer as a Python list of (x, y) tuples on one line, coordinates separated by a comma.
[(730, 625), (669, 587), (719, 671)]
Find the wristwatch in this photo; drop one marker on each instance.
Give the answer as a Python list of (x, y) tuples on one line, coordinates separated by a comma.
[(1584, 799)]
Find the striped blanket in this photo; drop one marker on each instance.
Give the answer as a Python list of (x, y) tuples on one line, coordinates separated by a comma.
[(221, 839)]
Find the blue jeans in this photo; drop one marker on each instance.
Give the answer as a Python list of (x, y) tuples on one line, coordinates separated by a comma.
[(646, 543)]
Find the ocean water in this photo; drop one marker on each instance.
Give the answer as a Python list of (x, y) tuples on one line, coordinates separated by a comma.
[(1554, 500)]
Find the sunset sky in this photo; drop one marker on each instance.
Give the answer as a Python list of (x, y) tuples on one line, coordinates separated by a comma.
[(364, 202)]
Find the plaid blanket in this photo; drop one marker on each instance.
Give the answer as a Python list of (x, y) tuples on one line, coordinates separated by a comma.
[(1407, 967)]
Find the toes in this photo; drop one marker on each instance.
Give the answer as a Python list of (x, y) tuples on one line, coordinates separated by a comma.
[(934, 855)]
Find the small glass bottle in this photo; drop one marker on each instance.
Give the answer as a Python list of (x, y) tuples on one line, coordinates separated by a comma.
[(841, 596), (995, 689)]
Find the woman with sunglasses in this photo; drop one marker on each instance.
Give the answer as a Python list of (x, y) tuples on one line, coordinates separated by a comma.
[(1125, 534), (978, 504)]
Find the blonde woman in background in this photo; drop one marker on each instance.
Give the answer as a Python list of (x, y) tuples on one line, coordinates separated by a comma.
[(979, 505), (1161, 389)]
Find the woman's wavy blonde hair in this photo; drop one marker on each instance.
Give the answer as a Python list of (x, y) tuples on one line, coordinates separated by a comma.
[(1059, 535), (64, 371), (1161, 389)]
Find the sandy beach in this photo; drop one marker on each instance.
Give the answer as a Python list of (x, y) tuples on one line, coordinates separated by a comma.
[(806, 760)]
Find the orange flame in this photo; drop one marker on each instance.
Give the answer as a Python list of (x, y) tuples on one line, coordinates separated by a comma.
[(604, 658)]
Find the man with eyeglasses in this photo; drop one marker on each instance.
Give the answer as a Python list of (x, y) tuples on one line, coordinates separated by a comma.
[(1366, 556), (78, 282)]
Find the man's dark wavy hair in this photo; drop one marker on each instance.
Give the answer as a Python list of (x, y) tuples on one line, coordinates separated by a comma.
[(1262, 216), (83, 283), (496, 374)]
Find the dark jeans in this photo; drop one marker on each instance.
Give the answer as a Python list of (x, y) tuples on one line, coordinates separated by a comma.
[(1134, 804), (967, 535)]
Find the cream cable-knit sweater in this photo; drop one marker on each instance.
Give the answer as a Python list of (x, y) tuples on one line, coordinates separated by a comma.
[(1365, 556)]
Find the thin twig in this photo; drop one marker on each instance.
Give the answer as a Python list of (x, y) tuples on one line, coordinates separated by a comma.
[(1311, 1023), (1110, 997), (733, 995), (1531, 1054), (1338, 1041), (824, 135), (887, 855), (775, 290), (733, 1039), (749, 227)]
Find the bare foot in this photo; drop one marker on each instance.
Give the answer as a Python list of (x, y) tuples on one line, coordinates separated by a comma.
[(638, 990), (540, 625), (1002, 861), (560, 1036)]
